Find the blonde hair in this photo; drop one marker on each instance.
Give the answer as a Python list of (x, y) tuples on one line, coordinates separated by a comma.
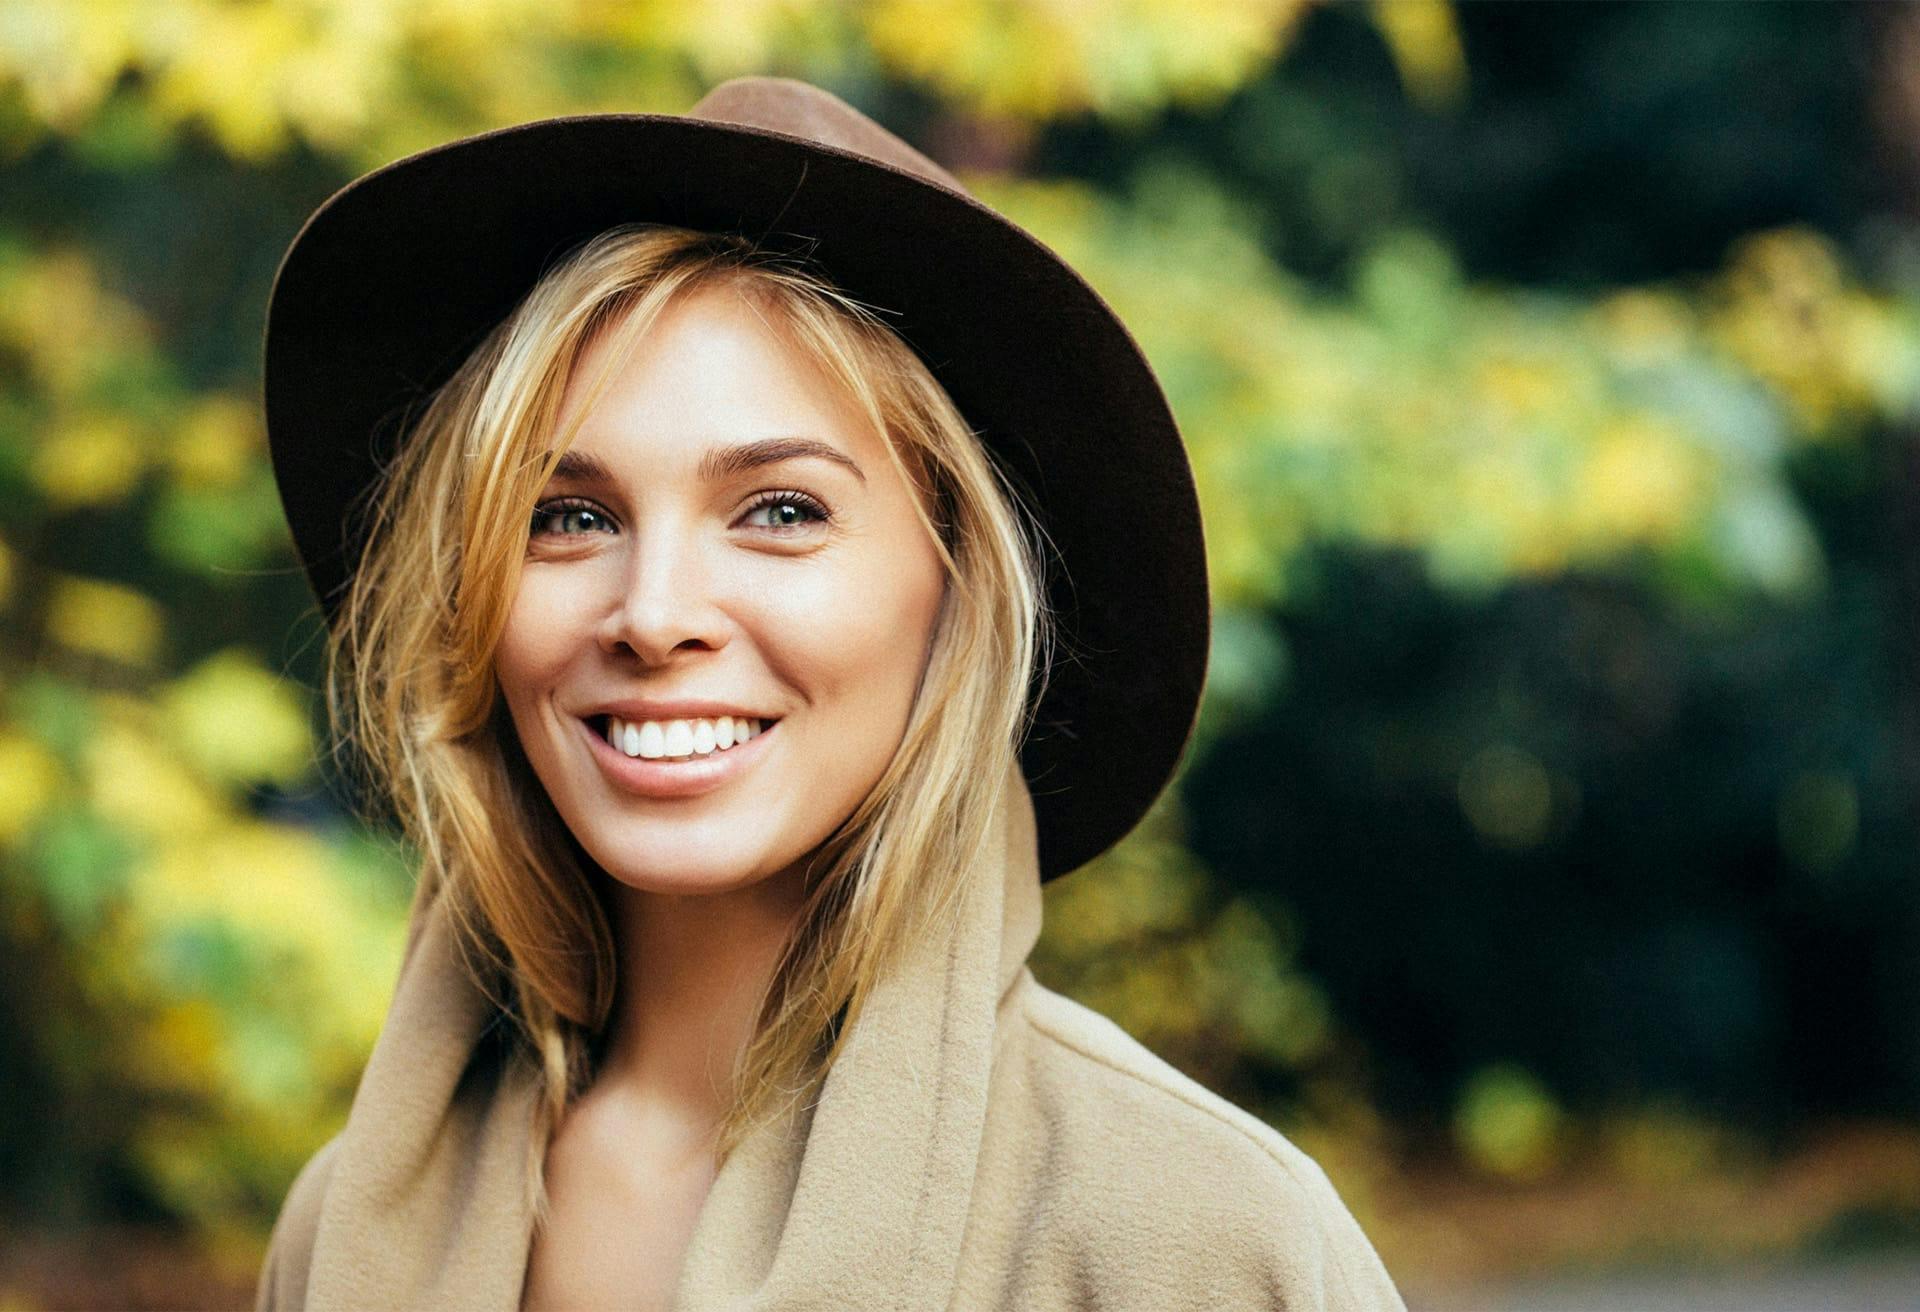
[(413, 699)]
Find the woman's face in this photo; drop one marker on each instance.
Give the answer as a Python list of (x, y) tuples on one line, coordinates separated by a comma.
[(727, 537)]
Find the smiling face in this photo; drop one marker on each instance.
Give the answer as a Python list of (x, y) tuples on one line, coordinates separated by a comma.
[(726, 534)]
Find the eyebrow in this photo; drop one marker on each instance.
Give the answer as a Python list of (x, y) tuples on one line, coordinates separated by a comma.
[(724, 462)]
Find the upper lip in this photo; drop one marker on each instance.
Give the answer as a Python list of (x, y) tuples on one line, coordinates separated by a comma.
[(638, 709)]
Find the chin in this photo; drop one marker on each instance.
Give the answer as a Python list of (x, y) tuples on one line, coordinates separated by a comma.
[(666, 867)]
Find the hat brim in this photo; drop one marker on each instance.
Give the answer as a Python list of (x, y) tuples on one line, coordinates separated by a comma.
[(394, 280)]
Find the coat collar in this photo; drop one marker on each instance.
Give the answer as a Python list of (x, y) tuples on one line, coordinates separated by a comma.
[(859, 1199)]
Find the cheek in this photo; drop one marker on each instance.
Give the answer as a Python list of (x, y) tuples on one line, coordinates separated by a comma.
[(858, 638), (542, 628)]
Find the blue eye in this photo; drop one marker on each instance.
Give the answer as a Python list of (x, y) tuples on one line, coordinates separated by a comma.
[(565, 510)]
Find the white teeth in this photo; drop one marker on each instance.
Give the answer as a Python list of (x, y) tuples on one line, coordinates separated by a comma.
[(654, 739)]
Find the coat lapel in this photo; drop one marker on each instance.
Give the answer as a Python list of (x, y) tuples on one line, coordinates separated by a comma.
[(861, 1200), (426, 1206), (858, 1199)]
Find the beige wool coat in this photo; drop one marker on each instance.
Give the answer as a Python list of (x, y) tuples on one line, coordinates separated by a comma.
[(981, 1143)]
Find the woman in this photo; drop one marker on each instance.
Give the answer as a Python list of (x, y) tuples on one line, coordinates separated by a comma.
[(700, 635)]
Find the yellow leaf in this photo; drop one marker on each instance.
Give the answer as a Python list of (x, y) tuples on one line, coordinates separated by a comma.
[(105, 619), (217, 442), (1424, 41), (1639, 481), (66, 57), (70, 330), (279, 887), (1036, 59), (135, 783), (238, 721), (94, 461), (1644, 327), (29, 777)]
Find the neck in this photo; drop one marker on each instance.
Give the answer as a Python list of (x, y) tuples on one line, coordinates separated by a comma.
[(692, 972)]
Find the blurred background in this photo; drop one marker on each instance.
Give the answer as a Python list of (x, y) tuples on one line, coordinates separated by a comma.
[(1545, 865)]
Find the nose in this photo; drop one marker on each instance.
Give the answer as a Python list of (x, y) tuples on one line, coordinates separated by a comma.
[(665, 600)]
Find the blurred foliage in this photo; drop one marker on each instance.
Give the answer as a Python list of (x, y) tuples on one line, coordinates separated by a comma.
[(369, 81), (1044, 60), (1501, 433), (1507, 1123), (1661, 1191), (1477, 544), (1208, 984)]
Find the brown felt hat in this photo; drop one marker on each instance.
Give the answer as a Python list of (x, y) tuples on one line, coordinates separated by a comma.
[(394, 280)]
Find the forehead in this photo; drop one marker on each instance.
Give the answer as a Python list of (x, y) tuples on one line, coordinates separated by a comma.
[(711, 370)]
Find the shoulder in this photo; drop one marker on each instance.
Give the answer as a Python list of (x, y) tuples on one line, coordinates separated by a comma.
[(282, 1285), (1166, 1166)]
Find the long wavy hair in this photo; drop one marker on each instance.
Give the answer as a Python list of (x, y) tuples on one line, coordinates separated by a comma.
[(419, 724)]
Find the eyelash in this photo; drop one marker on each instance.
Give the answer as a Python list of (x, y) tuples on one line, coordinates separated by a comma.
[(793, 497), (558, 507)]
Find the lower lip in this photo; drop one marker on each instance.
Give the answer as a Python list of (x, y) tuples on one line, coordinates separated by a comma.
[(688, 778)]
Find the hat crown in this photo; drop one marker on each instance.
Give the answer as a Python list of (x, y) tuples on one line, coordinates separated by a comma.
[(800, 109)]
